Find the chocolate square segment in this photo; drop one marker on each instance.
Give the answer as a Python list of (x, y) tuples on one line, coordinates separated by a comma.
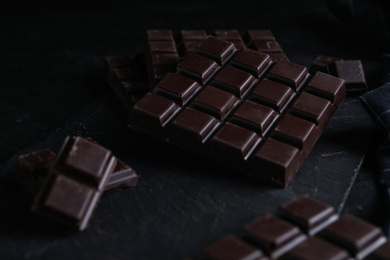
[(288, 73), (254, 116), (69, 198), (321, 63), (318, 249), (87, 159), (357, 236), (296, 132), (272, 94), (192, 127), (198, 68), (153, 111), (233, 80), (233, 141), (273, 235), (251, 61), (231, 36), (311, 108), (327, 86), (352, 72), (178, 88), (231, 248), (215, 102), (276, 160), (309, 215), (216, 49)]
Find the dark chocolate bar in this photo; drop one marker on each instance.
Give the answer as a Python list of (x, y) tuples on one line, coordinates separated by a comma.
[(75, 183), (249, 114), (33, 169), (342, 239), (349, 70)]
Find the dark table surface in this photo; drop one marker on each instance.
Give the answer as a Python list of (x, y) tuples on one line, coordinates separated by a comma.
[(52, 86)]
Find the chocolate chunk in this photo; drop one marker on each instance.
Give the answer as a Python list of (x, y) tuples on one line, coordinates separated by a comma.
[(198, 68), (316, 248), (231, 248), (358, 237), (178, 88), (216, 49), (268, 105), (321, 63), (251, 61), (273, 235), (231, 36), (310, 215), (75, 183), (352, 72), (33, 170)]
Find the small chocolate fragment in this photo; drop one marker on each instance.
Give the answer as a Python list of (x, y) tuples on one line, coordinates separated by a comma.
[(352, 72), (231, 248), (32, 169), (316, 248), (321, 63), (310, 215), (273, 235), (357, 236), (75, 183)]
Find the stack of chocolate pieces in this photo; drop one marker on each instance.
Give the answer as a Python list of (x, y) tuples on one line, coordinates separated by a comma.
[(304, 229), (240, 109), (68, 186)]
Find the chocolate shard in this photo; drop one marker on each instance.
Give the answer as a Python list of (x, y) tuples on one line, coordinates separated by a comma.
[(75, 183), (352, 72)]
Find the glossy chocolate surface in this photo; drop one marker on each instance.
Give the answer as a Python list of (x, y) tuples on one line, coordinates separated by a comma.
[(273, 235), (357, 236), (75, 183), (310, 215), (352, 72), (200, 107)]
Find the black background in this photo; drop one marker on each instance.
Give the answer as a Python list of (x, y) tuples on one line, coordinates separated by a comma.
[(52, 86)]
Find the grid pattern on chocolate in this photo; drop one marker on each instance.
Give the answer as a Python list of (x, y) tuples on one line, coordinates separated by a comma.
[(215, 102), (164, 50), (75, 183), (281, 236)]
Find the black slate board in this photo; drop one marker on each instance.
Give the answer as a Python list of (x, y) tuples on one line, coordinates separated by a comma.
[(52, 86)]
